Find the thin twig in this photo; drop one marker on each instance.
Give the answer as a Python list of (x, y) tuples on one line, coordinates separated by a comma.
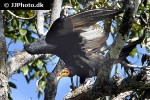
[(14, 15), (131, 66)]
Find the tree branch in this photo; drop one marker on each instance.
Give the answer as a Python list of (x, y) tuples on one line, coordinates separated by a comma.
[(136, 4), (131, 66), (52, 82), (60, 65), (56, 10), (112, 87), (122, 96), (3, 49), (40, 22), (51, 87), (3, 59), (124, 29), (21, 59), (19, 16)]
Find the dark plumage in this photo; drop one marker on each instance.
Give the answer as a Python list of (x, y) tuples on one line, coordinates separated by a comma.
[(75, 39)]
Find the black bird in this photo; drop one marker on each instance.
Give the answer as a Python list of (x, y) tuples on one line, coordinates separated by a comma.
[(75, 39)]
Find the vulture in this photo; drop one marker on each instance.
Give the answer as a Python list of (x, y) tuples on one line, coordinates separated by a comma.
[(76, 40)]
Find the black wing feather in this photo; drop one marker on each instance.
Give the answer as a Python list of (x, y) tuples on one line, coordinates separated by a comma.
[(90, 17), (76, 23)]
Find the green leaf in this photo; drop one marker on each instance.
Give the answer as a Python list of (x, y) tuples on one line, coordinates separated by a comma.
[(15, 23), (23, 31), (41, 86), (133, 52), (101, 1), (37, 73), (137, 26), (32, 27), (39, 63), (30, 13), (11, 84), (43, 83), (24, 70)]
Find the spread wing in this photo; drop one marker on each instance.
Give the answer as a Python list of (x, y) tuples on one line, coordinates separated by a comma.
[(75, 30), (74, 33), (87, 18), (80, 21)]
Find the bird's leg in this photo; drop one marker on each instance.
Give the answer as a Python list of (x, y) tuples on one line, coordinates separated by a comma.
[(77, 81), (82, 81), (72, 84)]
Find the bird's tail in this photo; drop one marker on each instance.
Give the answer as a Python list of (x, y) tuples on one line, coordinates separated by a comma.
[(39, 47), (90, 17)]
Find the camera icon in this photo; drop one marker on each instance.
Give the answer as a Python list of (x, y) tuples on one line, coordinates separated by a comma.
[(6, 5)]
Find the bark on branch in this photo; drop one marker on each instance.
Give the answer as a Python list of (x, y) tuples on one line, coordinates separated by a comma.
[(40, 22), (21, 59), (138, 81), (3, 59), (56, 10), (51, 83)]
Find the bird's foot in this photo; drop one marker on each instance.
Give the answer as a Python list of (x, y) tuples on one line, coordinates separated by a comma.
[(63, 73)]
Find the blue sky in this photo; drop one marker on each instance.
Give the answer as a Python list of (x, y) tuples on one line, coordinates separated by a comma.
[(26, 91)]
